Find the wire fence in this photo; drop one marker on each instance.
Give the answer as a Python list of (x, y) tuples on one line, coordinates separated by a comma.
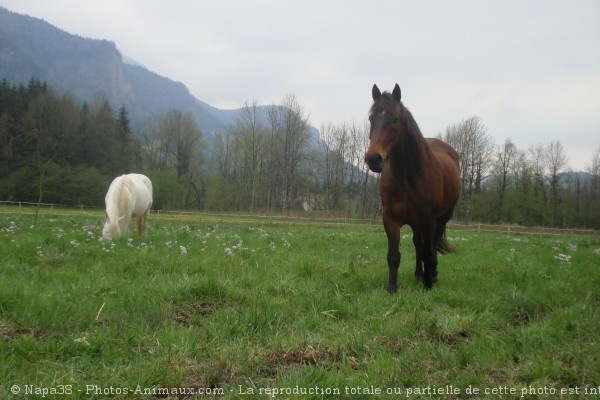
[(12, 207)]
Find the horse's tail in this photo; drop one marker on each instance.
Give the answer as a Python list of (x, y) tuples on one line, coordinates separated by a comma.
[(443, 246)]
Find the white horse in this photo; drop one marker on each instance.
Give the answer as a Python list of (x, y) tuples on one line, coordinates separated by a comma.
[(128, 195)]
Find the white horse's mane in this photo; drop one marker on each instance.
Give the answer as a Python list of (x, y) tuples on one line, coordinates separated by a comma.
[(117, 207)]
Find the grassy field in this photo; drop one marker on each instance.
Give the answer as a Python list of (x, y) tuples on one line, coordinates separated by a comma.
[(243, 309)]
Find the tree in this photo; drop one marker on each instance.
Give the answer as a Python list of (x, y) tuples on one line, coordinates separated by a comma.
[(220, 192), (503, 166), (289, 139), (334, 155), (151, 142), (180, 135), (98, 133), (43, 126), (126, 154), (523, 173), (475, 148), (592, 192), (250, 135), (555, 160)]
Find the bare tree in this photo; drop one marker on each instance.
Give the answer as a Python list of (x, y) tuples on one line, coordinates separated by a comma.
[(334, 153), (556, 160), (593, 188), (289, 126), (505, 160), (475, 148), (250, 136)]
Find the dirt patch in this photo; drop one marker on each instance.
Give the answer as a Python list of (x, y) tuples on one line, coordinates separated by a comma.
[(207, 374), (10, 331), (268, 362), (189, 313), (453, 338)]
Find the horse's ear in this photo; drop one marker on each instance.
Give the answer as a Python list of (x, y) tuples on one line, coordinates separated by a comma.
[(396, 93), (376, 93)]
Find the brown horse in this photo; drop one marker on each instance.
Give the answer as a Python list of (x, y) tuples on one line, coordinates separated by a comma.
[(420, 184)]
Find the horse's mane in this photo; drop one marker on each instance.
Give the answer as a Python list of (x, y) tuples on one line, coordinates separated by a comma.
[(413, 146), (408, 153), (119, 200)]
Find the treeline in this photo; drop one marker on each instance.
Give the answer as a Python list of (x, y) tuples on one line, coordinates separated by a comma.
[(57, 150), (530, 187)]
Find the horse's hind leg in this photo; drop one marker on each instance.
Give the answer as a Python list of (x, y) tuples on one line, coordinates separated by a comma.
[(418, 242), (440, 243), (429, 258), (434, 264), (141, 224)]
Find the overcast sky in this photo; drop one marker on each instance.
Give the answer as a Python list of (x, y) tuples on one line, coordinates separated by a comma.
[(529, 68)]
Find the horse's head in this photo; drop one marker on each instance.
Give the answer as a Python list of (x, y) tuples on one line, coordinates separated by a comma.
[(111, 228), (386, 117)]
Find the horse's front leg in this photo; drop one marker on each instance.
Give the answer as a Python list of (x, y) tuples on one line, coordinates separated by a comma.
[(392, 229)]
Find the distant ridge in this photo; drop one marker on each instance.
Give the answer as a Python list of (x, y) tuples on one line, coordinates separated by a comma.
[(32, 48)]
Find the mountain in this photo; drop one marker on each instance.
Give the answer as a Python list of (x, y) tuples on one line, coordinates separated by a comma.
[(32, 48)]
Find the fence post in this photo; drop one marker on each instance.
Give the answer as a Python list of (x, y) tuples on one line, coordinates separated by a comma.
[(508, 233)]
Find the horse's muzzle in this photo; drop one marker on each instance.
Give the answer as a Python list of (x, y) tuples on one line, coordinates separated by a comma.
[(375, 162)]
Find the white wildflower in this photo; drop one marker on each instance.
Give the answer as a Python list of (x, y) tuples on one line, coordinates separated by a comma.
[(563, 258), (228, 251), (183, 250), (82, 340)]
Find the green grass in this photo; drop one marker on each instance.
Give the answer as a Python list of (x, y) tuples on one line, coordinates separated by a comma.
[(240, 306)]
